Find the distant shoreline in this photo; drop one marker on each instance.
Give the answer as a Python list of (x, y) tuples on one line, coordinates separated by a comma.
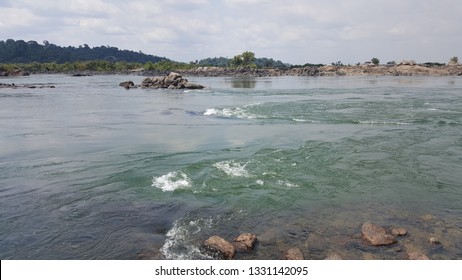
[(329, 71), (309, 71)]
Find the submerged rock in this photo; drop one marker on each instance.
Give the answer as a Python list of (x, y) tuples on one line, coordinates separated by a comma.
[(398, 231), (245, 241), (434, 241), (293, 254), (222, 246), (376, 235)]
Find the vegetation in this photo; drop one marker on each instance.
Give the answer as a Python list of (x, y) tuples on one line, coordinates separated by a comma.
[(102, 66), (246, 59), (375, 61), (238, 61), (454, 60), (12, 51)]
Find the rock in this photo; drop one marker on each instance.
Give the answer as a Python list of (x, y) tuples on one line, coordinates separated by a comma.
[(245, 241), (434, 241), (127, 84), (222, 246), (398, 231), (193, 86), (407, 62), (333, 256), (415, 255), (376, 235), (171, 81), (293, 254)]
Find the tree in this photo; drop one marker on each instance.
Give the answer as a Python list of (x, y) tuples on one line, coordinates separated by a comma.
[(245, 59), (248, 58), (454, 60), (375, 61)]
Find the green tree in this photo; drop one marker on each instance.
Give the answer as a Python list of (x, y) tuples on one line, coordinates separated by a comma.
[(248, 58), (375, 61), (454, 60), (245, 59)]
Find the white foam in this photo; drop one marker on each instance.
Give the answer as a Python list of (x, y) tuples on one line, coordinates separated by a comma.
[(232, 168), (287, 184), (236, 112), (171, 181), (178, 245)]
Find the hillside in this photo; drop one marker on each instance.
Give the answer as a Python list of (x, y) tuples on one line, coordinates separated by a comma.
[(20, 51)]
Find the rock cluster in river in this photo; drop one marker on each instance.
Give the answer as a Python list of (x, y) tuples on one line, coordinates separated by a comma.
[(13, 85), (171, 81), (227, 250)]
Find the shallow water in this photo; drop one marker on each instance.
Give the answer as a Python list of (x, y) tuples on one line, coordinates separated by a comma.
[(89, 170)]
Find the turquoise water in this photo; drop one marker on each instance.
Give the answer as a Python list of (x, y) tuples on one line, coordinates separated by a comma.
[(89, 170)]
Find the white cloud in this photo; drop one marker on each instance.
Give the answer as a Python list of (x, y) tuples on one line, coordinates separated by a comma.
[(296, 31)]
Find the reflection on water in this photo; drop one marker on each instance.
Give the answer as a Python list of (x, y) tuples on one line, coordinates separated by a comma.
[(242, 82)]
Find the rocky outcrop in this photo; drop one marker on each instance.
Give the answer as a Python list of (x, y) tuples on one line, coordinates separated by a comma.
[(16, 72), (13, 85), (404, 68), (171, 81), (223, 247), (376, 235)]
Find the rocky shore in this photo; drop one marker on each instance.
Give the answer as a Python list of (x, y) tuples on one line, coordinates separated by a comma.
[(402, 69), (428, 239)]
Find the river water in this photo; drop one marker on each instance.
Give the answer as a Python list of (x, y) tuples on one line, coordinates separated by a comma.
[(89, 170)]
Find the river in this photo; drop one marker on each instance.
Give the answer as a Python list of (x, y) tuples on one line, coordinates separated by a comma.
[(89, 170)]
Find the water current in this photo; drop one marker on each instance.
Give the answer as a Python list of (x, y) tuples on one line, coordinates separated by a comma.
[(89, 170)]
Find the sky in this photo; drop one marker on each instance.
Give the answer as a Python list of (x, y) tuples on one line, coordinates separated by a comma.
[(293, 31)]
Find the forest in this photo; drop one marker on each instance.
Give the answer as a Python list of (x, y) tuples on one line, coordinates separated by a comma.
[(33, 57), (20, 51)]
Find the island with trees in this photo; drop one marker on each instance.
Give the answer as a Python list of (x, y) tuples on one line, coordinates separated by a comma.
[(18, 57)]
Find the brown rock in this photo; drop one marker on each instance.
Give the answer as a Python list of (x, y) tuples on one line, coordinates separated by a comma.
[(333, 256), (399, 231), (245, 241), (293, 254), (434, 241), (171, 81), (222, 246), (376, 235), (127, 84), (417, 256)]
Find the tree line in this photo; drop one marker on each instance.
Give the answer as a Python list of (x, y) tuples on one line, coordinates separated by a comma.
[(20, 51)]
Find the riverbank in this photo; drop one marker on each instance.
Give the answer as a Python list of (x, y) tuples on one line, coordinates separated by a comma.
[(406, 69), (314, 71)]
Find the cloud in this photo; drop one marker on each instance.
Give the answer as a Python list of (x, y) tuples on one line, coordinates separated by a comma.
[(294, 31)]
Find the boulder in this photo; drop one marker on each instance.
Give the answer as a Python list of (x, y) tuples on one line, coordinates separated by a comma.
[(398, 231), (127, 84), (376, 235), (293, 254), (417, 256), (245, 241), (434, 241), (222, 246)]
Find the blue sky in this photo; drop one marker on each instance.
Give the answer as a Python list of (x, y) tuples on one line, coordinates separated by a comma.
[(293, 31)]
